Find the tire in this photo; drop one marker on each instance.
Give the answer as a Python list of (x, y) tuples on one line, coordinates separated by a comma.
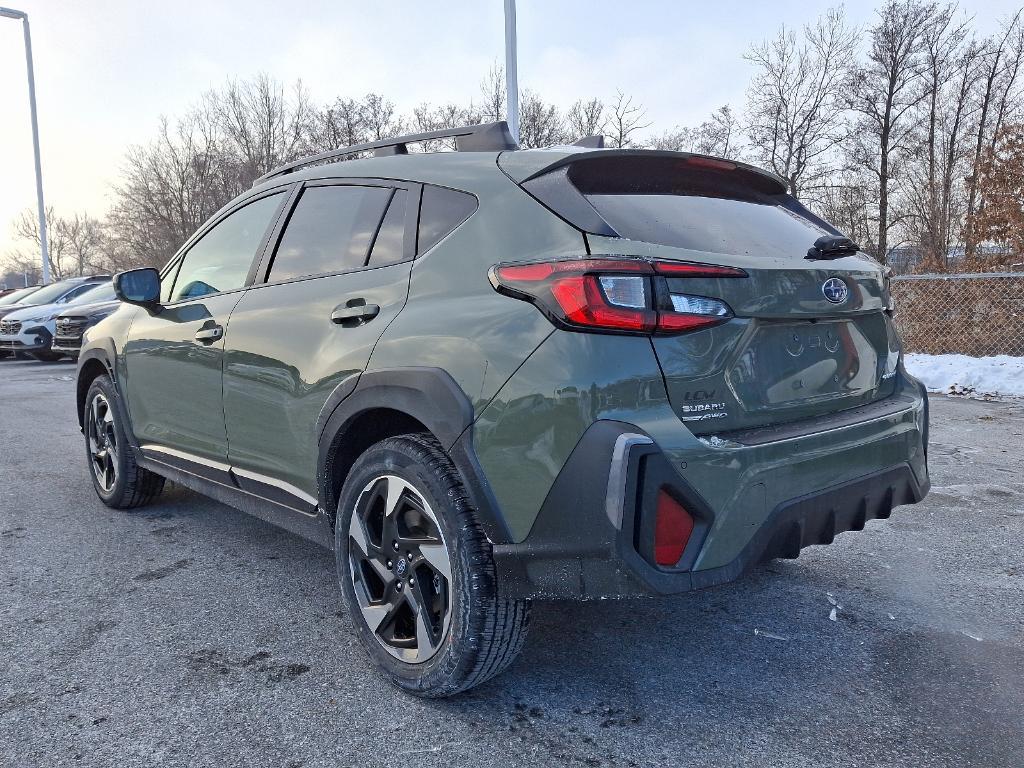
[(46, 356), (439, 626), (118, 480)]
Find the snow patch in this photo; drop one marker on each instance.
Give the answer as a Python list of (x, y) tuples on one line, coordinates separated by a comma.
[(980, 377)]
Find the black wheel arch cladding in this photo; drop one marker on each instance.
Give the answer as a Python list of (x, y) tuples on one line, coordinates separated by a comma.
[(429, 396)]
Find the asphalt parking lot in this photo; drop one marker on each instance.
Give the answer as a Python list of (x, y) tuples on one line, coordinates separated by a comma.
[(191, 634)]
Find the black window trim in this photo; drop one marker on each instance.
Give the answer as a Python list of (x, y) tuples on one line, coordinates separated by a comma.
[(414, 191), (175, 262)]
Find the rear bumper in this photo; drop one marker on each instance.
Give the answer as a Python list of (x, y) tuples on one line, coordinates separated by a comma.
[(750, 502)]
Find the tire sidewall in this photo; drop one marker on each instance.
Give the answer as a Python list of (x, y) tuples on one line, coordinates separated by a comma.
[(398, 457), (102, 385)]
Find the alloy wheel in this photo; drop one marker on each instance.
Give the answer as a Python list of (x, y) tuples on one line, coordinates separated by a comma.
[(102, 442), (401, 569)]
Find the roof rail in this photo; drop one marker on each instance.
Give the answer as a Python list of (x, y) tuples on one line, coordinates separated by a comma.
[(485, 137)]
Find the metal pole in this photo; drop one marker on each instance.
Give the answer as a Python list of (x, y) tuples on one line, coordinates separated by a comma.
[(511, 74), (13, 14)]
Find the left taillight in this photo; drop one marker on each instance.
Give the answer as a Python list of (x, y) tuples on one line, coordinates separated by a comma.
[(615, 295)]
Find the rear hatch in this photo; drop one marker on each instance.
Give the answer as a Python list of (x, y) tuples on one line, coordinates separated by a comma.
[(807, 337)]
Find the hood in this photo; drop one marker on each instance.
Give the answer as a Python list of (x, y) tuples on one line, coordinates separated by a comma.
[(31, 312), (5, 311), (87, 310)]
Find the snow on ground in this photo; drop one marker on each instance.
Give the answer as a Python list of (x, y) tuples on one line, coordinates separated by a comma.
[(999, 376)]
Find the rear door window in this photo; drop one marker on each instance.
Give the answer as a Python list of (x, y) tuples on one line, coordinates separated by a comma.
[(441, 211), (331, 229), (389, 247)]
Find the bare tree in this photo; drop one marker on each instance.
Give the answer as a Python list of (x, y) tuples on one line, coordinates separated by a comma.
[(340, 124), (584, 118), (170, 187), (74, 243), (540, 124), (625, 119), (849, 201), (1001, 63), (885, 89), (426, 118), (492, 90), (931, 188), (794, 103), (260, 123), (380, 118), (718, 135)]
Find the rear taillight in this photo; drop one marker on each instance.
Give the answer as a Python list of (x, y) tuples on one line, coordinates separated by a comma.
[(616, 295), (672, 528)]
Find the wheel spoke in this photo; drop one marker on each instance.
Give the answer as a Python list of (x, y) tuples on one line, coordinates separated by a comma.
[(424, 633), (424, 636), (437, 556), (381, 570), (395, 489), (376, 615), (95, 411), (357, 532)]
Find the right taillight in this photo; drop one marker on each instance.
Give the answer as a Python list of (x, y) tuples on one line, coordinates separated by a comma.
[(615, 295)]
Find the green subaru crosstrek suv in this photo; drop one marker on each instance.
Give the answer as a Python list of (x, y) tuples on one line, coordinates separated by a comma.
[(495, 375)]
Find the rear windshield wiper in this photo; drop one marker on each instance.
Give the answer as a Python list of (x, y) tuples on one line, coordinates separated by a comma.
[(832, 247)]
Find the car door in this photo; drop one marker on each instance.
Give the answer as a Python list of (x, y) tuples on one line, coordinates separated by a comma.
[(338, 275), (174, 355)]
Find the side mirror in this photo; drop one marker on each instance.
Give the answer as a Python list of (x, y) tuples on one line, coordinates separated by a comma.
[(138, 286)]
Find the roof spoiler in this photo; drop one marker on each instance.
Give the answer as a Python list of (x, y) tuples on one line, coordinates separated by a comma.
[(485, 137)]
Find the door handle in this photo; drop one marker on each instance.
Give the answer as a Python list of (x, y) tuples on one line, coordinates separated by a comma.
[(354, 313), (207, 335)]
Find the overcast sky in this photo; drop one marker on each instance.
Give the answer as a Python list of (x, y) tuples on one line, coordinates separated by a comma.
[(107, 69)]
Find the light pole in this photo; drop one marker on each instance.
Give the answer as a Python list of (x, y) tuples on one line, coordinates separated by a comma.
[(511, 75), (10, 13)]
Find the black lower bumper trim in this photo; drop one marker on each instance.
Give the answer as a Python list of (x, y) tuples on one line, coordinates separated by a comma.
[(574, 551), (818, 518)]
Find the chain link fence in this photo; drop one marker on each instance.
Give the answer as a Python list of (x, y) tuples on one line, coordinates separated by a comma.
[(977, 315)]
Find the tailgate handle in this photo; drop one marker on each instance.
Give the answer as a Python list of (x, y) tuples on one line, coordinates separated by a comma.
[(354, 313)]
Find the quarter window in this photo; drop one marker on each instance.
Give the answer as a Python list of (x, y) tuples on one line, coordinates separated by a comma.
[(441, 211), (220, 261), (330, 230)]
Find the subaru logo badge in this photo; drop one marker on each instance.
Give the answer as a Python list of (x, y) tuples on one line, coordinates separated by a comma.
[(835, 290)]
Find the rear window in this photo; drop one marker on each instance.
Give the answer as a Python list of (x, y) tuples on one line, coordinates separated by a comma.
[(672, 202)]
